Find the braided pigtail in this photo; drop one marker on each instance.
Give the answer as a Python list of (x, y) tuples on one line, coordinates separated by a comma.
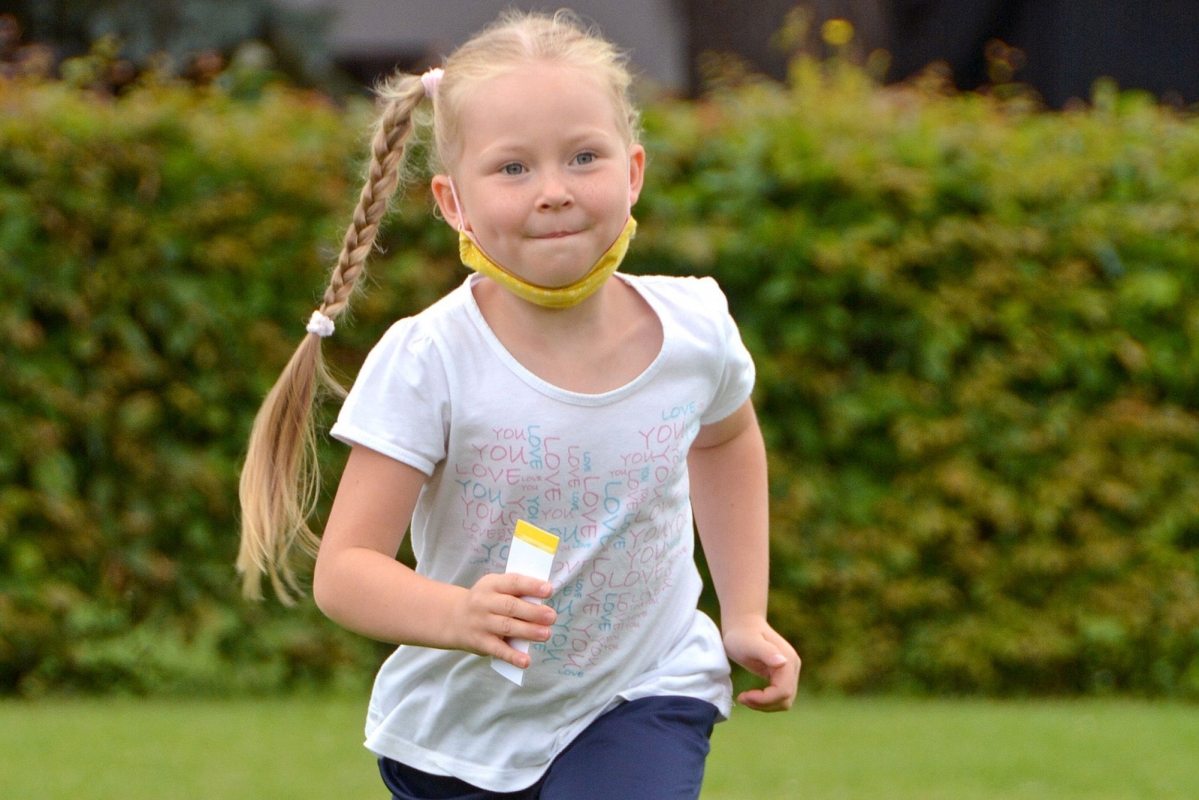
[(280, 481)]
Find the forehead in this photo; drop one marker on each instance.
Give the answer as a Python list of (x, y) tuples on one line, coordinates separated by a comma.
[(537, 100)]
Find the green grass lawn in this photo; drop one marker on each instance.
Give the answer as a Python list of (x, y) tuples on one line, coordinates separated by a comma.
[(829, 749)]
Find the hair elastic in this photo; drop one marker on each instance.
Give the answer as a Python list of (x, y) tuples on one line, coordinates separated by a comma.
[(319, 324), (431, 80)]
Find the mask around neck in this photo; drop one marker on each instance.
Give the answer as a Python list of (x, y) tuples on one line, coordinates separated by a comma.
[(549, 296)]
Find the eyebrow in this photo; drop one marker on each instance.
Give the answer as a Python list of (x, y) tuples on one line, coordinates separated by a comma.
[(591, 135)]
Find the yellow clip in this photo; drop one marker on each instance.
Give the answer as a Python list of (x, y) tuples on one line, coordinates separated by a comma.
[(536, 537)]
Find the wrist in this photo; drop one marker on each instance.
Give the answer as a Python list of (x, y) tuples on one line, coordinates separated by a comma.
[(743, 620), (452, 630)]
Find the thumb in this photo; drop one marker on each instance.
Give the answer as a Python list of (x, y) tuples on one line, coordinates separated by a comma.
[(767, 663)]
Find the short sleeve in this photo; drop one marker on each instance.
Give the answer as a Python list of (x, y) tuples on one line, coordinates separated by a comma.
[(737, 372), (400, 402)]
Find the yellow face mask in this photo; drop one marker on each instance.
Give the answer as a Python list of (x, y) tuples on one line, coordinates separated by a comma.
[(546, 296), (549, 296)]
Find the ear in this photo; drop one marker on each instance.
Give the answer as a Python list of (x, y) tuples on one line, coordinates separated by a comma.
[(444, 195), (636, 172)]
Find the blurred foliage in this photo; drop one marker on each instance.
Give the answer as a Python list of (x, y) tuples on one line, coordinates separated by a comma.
[(158, 256), (977, 332), (975, 326)]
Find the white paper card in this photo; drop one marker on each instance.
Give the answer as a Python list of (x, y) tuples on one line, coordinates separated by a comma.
[(532, 554)]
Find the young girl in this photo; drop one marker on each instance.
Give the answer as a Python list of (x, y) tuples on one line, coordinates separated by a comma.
[(605, 409)]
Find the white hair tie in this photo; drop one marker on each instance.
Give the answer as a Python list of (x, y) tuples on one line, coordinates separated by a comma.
[(431, 80), (319, 324)]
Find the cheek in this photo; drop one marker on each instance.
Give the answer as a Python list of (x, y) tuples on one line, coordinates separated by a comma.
[(500, 213), (607, 196)]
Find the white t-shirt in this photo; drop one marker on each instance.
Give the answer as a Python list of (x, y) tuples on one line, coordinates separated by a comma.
[(607, 473)]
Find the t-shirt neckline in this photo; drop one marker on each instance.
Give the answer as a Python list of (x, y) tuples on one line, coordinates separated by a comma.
[(557, 392)]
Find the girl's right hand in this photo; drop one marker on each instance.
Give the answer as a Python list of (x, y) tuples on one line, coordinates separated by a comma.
[(494, 610)]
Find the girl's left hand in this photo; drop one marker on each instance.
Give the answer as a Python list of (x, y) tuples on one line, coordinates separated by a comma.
[(755, 645)]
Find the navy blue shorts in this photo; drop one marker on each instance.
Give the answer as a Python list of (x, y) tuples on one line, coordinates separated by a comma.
[(654, 747)]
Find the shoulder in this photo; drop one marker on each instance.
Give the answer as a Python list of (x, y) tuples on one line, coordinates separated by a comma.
[(416, 348), (691, 294), (428, 328), (696, 320)]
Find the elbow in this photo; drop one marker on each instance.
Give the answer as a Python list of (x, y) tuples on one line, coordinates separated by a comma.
[(323, 591)]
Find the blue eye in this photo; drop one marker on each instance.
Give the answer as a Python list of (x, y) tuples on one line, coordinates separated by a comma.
[(512, 169), (584, 158)]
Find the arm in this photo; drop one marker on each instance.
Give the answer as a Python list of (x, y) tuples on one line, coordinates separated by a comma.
[(727, 464), (359, 584)]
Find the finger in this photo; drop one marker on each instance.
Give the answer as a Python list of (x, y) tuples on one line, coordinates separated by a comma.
[(766, 666), (505, 627), (503, 651), (763, 665), (771, 698), (780, 694), (509, 606), (523, 586)]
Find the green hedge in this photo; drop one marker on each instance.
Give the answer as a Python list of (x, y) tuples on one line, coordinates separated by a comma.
[(975, 327), (158, 257)]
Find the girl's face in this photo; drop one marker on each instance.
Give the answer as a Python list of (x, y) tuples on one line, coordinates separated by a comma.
[(545, 179)]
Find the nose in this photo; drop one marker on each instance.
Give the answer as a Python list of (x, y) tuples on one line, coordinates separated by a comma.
[(555, 193)]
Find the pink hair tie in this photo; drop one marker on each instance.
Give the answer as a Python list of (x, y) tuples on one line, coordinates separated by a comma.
[(431, 80)]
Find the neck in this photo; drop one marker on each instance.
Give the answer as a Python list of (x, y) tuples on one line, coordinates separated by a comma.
[(517, 316), (596, 346)]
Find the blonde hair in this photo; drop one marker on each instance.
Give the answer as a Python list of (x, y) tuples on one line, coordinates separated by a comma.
[(517, 39), (280, 481)]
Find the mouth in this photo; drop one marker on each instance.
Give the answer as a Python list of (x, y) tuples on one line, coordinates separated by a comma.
[(555, 235)]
